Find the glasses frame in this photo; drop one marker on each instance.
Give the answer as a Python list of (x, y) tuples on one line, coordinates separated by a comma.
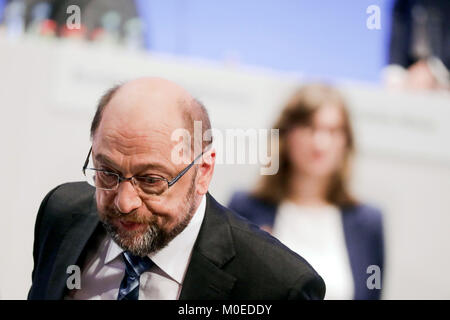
[(121, 178)]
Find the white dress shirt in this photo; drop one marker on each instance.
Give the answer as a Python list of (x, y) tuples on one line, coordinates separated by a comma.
[(317, 234), (104, 268)]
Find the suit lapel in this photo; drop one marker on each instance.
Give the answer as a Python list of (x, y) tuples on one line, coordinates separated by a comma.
[(205, 278), (80, 229), (354, 246)]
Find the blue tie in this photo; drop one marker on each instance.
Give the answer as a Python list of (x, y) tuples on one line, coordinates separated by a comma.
[(134, 267)]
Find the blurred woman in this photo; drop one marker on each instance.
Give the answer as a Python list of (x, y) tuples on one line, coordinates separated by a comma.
[(307, 205)]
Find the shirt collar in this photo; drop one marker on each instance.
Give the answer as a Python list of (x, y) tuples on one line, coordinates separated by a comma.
[(174, 258)]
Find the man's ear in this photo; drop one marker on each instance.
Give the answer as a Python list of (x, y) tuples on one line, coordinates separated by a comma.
[(205, 171)]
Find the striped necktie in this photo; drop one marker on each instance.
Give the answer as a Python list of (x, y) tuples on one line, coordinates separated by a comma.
[(134, 267)]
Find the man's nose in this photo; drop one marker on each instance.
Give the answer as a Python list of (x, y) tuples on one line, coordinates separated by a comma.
[(127, 198)]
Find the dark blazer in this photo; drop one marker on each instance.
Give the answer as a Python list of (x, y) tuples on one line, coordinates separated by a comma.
[(363, 232), (231, 258), (436, 29)]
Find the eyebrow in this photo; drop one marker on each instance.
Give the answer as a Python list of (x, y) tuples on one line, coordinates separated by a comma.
[(142, 167)]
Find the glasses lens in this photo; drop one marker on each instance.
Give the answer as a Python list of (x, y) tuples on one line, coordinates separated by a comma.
[(90, 176), (152, 185), (106, 180), (101, 179)]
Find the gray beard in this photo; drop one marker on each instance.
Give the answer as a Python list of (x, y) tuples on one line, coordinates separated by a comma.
[(155, 238)]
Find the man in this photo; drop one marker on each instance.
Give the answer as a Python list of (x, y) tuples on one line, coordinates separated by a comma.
[(149, 229), (419, 54)]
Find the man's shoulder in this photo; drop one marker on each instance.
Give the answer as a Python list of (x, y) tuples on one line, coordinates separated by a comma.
[(257, 242), (263, 254), (258, 211), (248, 206), (69, 198)]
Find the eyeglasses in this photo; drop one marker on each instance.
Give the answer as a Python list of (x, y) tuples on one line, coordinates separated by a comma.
[(311, 129), (150, 185)]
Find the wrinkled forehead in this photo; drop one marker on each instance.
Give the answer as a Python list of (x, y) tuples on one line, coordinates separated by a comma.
[(140, 123)]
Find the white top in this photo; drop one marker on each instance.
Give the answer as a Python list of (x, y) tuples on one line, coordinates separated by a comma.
[(105, 269), (316, 233)]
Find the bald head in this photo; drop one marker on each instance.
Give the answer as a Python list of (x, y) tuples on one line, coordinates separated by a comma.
[(151, 103)]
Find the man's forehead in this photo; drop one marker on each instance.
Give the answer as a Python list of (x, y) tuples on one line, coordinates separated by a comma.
[(140, 120), (112, 147), (143, 112), (148, 103), (133, 126), (130, 141), (143, 157), (156, 90)]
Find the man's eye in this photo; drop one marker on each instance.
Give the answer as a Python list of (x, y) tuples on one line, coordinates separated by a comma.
[(151, 180), (106, 174), (109, 170)]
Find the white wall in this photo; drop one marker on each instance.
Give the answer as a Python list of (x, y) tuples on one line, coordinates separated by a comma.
[(48, 93)]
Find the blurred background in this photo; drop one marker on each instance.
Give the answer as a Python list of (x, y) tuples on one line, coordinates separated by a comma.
[(243, 60)]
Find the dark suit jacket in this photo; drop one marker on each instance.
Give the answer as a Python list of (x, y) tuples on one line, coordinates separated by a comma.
[(362, 229), (436, 29), (231, 259)]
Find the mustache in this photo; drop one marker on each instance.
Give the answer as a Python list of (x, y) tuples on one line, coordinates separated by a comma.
[(131, 217)]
